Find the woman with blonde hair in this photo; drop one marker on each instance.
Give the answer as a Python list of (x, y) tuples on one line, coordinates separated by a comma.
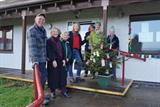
[(56, 64), (75, 41)]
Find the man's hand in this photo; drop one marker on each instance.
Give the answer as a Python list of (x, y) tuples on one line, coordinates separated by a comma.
[(54, 64), (33, 64)]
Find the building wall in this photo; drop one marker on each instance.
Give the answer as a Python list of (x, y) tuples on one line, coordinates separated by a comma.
[(134, 69)]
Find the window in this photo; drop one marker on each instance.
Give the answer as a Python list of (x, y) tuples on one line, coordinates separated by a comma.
[(6, 38), (145, 34)]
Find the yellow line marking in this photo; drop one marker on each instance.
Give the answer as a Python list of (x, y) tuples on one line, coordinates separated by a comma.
[(5, 73), (16, 78), (126, 89), (78, 87), (96, 90)]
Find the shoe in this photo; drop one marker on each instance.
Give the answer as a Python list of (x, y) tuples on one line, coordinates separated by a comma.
[(85, 75), (78, 79), (66, 95), (47, 97), (71, 80), (45, 102), (53, 95)]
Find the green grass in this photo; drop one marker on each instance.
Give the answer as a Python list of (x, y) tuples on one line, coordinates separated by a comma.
[(15, 93)]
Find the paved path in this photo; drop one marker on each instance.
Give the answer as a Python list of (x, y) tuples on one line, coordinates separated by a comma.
[(136, 97)]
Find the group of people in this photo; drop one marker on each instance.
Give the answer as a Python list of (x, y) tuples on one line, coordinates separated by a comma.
[(59, 52)]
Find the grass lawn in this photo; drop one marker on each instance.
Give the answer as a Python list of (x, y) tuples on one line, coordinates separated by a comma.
[(15, 93)]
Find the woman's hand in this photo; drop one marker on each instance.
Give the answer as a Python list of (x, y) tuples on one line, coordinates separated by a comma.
[(64, 63), (54, 64)]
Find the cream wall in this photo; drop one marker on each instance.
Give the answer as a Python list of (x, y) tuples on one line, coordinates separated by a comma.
[(134, 69)]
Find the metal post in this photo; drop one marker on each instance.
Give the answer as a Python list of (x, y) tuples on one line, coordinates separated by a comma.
[(123, 70)]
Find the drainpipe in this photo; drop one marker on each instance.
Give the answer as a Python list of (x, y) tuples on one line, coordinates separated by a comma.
[(23, 42)]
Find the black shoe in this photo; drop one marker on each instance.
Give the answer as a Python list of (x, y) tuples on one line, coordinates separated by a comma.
[(85, 75), (81, 80), (78, 79), (66, 95)]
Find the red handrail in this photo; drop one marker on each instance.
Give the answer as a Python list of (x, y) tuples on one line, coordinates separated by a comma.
[(135, 56), (126, 54), (38, 90)]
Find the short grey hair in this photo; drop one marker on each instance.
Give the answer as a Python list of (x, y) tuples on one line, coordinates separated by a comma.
[(99, 23), (112, 29)]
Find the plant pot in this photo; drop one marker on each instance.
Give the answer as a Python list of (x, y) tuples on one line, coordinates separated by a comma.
[(103, 81)]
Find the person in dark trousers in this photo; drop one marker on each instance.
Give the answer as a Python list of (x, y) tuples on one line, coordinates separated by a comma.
[(87, 46), (56, 64), (75, 44), (37, 38), (68, 55), (113, 40)]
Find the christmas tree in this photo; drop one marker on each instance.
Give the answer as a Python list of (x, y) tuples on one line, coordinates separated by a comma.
[(102, 59)]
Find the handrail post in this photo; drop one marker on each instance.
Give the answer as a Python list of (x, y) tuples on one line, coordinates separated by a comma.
[(126, 54), (35, 87), (123, 69), (38, 90)]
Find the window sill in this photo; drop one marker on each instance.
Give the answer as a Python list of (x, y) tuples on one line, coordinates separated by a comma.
[(6, 52)]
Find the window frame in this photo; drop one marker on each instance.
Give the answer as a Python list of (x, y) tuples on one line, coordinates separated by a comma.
[(4, 50), (131, 19)]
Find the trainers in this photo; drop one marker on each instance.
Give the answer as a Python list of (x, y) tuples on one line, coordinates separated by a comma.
[(66, 95), (53, 95), (45, 102), (81, 80), (71, 80), (78, 79), (85, 75)]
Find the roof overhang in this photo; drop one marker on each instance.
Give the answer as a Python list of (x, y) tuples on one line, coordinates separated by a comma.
[(45, 6), (126, 2)]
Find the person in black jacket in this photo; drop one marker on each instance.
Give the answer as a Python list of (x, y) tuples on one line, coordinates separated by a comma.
[(56, 64), (75, 42), (87, 46), (113, 40)]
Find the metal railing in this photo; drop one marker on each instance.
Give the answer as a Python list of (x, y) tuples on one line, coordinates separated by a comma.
[(126, 54), (38, 90)]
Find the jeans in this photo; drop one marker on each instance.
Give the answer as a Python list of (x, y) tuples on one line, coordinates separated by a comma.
[(77, 58), (69, 70), (114, 73), (43, 73)]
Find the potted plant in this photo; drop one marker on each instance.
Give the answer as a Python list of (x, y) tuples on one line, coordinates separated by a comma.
[(102, 61)]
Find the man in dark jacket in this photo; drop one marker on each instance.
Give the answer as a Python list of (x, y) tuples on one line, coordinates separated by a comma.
[(37, 37), (113, 40)]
